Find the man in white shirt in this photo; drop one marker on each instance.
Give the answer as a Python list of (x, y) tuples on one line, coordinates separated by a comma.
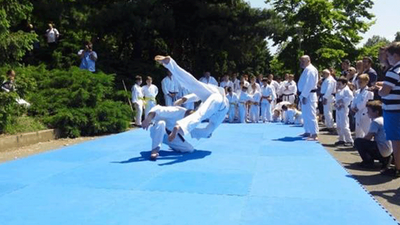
[(214, 107), (150, 92), (328, 89), (307, 87), (52, 35), (170, 89), (137, 100), (289, 89), (208, 79)]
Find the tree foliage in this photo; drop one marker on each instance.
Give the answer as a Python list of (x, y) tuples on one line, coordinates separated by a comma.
[(327, 30), (14, 42)]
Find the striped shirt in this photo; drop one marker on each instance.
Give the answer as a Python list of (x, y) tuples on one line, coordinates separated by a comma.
[(391, 102)]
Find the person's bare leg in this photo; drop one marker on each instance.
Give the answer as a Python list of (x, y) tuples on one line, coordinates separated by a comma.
[(154, 153)]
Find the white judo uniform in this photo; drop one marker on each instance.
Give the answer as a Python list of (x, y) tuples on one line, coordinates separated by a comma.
[(342, 115), (226, 84), (289, 91), (328, 89), (188, 104), (137, 98), (169, 86), (214, 107), (150, 93), (307, 86), (277, 90), (254, 112), (244, 97), (363, 122), (293, 116), (233, 104), (266, 106), (163, 122)]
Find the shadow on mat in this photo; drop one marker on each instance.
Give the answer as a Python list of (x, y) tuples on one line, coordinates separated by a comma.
[(374, 179), (289, 139), (175, 157)]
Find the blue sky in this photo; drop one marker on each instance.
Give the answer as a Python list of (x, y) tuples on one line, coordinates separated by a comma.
[(387, 16)]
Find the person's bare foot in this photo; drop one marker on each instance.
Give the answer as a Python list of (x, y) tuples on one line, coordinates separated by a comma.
[(312, 138), (162, 59), (180, 101), (154, 153), (173, 133)]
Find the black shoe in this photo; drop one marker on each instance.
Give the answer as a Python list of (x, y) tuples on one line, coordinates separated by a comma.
[(386, 162), (366, 165), (324, 129), (339, 143), (349, 144), (391, 172)]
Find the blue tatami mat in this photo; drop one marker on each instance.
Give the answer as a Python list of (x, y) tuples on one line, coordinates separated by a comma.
[(246, 174)]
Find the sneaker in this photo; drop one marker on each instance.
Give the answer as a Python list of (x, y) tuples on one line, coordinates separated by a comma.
[(339, 143), (349, 144)]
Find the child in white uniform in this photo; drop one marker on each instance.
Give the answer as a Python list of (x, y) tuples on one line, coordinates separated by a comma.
[(362, 96), (344, 96), (137, 100), (233, 103), (244, 97), (150, 92), (268, 95), (255, 104)]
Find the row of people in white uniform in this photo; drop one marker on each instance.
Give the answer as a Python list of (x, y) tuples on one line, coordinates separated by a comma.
[(258, 105), (338, 95), (286, 90)]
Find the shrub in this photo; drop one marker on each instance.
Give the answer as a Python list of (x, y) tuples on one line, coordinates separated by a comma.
[(75, 101)]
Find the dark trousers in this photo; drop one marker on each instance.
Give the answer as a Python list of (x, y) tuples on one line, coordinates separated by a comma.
[(368, 150)]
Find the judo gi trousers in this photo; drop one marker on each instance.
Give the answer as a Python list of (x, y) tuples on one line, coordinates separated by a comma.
[(309, 113), (343, 125), (328, 113), (266, 112), (159, 135), (362, 123)]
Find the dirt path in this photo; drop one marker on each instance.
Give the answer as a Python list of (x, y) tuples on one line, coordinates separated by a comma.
[(384, 189), (16, 153)]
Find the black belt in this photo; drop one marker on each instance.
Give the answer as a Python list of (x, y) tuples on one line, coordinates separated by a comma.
[(287, 95), (179, 135), (312, 91)]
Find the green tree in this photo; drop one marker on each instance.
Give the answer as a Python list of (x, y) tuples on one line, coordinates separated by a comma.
[(397, 36), (14, 42), (327, 30), (376, 39)]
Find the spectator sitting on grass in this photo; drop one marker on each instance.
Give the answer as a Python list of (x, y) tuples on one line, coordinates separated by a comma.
[(378, 149), (9, 86)]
